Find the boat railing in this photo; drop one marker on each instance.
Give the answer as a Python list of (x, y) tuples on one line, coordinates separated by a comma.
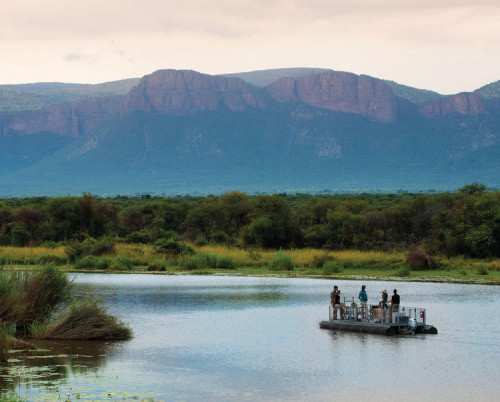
[(400, 315)]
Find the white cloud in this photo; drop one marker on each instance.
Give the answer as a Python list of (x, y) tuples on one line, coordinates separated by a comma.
[(445, 45)]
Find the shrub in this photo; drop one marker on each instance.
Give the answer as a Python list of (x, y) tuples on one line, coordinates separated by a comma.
[(201, 241), (91, 262), (332, 267), (171, 246), (20, 236), (50, 259), (281, 261), (225, 262), (85, 320), (419, 260), (403, 272), (90, 246), (121, 264), (200, 261), (157, 265), (482, 270), (319, 261)]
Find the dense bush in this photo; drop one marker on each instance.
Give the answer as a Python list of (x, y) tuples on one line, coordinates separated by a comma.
[(463, 223), (90, 262), (418, 260), (90, 247), (281, 261), (332, 267), (50, 259), (225, 262)]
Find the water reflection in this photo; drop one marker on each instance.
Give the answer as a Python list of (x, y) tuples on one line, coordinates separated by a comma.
[(53, 363), (234, 338)]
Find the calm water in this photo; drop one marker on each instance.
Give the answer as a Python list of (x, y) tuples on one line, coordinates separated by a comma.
[(231, 338)]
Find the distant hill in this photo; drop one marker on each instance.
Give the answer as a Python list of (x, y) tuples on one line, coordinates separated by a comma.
[(36, 96), (262, 78), (490, 91), (418, 96), (183, 132)]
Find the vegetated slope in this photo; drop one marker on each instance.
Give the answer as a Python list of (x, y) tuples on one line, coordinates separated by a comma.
[(36, 96), (287, 150), (415, 95), (185, 132), (489, 91), (262, 78)]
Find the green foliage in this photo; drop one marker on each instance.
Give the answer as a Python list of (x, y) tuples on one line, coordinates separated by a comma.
[(482, 269), (90, 247), (4, 342), (20, 236), (157, 265), (199, 261), (419, 260), (332, 267), (29, 296), (91, 262), (281, 262), (171, 246), (403, 272), (225, 262), (320, 260), (49, 259), (121, 264)]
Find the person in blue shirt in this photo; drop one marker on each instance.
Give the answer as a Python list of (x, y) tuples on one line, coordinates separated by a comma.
[(363, 297)]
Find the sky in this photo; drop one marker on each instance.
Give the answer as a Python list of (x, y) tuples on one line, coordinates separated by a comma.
[(448, 46)]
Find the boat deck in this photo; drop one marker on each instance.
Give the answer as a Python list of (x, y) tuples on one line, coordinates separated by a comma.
[(376, 320)]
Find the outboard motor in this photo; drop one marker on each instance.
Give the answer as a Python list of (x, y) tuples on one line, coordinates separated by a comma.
[(412, 323)]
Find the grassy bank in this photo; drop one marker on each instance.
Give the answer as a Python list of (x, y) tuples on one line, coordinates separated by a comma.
[(209, 259)]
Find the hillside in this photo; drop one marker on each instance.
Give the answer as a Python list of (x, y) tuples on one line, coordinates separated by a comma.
[(37, 96), (179, 132)]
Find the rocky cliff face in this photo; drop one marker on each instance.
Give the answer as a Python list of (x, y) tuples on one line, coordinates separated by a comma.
[(183, 92), (462, 103), (70, 119), (339, 91), (180, 92)]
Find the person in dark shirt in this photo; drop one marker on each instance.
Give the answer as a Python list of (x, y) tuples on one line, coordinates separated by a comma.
[(395, 301), (333, 295)]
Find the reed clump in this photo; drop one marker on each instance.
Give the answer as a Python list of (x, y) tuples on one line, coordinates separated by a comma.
[(83, 321), (36, 304)]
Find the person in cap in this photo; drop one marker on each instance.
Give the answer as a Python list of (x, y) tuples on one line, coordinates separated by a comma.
[(385, 296)]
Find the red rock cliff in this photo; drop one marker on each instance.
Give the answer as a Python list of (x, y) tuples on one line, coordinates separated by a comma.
[(182, 92), (463, 103), (340, 91)]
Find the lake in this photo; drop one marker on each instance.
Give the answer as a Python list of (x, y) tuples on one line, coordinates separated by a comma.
[(239, 338)]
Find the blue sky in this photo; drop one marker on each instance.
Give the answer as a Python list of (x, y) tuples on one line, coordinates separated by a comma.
[(443, 45)]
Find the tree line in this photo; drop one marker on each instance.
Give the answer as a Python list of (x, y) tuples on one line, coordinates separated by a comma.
[(466, 222)]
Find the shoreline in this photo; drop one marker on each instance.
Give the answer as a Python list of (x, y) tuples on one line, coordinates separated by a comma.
[(430, 279)]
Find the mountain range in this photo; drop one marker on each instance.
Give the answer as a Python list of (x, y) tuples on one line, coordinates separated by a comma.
[(284, 130)]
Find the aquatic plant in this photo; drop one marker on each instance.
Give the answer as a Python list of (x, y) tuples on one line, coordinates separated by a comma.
[(83, 321), (29, 295)]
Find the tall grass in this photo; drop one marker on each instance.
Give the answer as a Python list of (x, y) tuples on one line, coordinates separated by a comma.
[(281, 262), (29, 295), (83, 321), (5, 342)]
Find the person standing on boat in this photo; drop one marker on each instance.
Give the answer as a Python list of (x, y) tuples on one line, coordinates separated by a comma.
[(363, 297), (383, 302), (395, 301), (333, 295)]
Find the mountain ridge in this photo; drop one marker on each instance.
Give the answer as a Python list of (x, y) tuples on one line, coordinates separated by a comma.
[(182, 131)]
